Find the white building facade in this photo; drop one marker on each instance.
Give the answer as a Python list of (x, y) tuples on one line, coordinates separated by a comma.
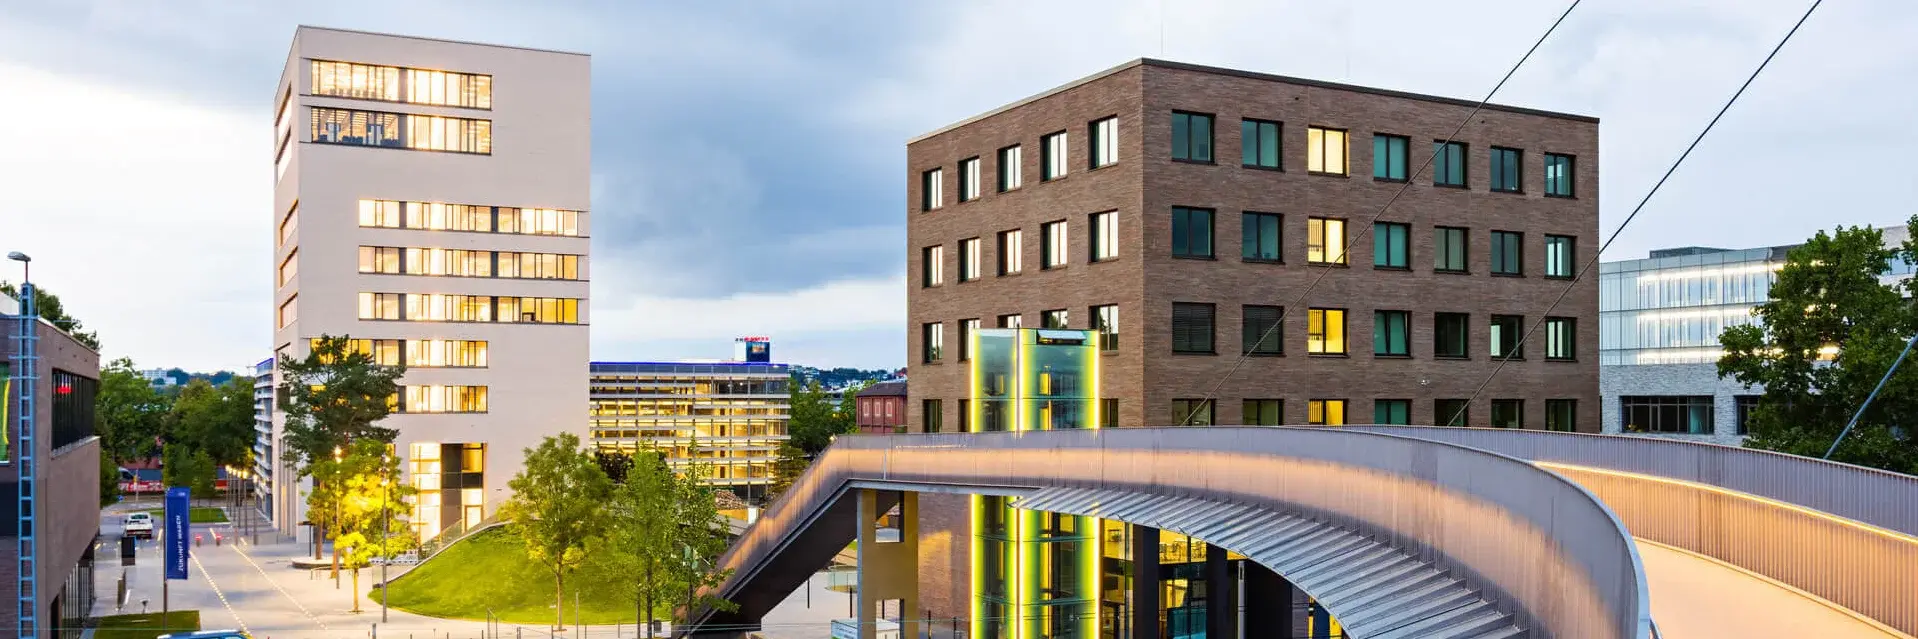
[(431, 202)]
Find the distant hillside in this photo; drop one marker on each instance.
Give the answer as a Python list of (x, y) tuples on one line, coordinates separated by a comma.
[(181, 377), (839, 377)]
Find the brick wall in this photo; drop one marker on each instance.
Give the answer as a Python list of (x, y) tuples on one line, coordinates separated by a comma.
[(69, 478)]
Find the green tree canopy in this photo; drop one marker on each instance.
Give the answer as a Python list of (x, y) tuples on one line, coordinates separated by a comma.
[(558, 508), (127, 413), (365, 502), (1821, 344), (48, 306), (662, 537), (217, 420), (335, 395)]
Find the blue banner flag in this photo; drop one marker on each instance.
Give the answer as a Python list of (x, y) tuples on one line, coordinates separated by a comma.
[(178, 507)]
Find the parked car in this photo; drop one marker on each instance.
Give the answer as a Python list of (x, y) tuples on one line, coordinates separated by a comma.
[(137, 525)]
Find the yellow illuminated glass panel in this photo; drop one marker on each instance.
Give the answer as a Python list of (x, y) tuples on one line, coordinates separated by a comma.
[(1325, 331)]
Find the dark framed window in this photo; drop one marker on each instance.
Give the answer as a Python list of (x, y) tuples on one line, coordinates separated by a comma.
[(1191, 136), (1057, 318), (1263, 412), (1325, 412), (1561, 338), (1747, 411), (1192, 328), (1052, 253), (1325, 331), (1508, 174), (932, 342), (932, 266), (1448, 167), (1011, 321), (1450, 333), (1053, 164), (969, 179), (1388, 156), (1260, 331), (1559, 256), (1191, 232), (1103, 142), (967, 327), (1325, 151), (1011, 169), (1505, 333), (1391, 245), (1391, 333), (1324, 240), (1105, 319), (965, 416), (933, 414), (1012, 249), (1259, 143), (1449, 245), (1452, 412), (1561, 415), (1192, 412), (969, 255), (1259, 234), (932, 189), (1508, 413), (1686, 414), (1508, 253), (1104, 241), (1558, 175), (1392, 411), (73, 405), (1108, 412)]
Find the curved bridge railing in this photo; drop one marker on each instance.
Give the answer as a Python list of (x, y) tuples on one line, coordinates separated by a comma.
[(1844, 533), (1539, 547)]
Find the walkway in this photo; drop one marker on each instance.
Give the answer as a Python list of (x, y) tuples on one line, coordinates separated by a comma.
[(1695, 597)]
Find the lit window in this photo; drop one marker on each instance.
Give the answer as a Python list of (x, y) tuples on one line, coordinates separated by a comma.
[(1325, 150), (1105, 236), (1191, 137), (289, 311), (1558, 256), (1507, 170), (932, 265), (442, 399), (1054, 148), (1325, 412), (1011, 252), (931, 189), (1055, 244), (1105, 319), (968, 259), (1011, 321), (1325, 331), (1259, 237), (1561, 338), (1508, 253), (1104, 136), (1388, 156), (1259, 144), (1448, 169), (397, 84), (1010, 171), (967, 328), (1558, 175), (969, 179), (401, 131), (1191, 232), (1324, 241), (437, 216)]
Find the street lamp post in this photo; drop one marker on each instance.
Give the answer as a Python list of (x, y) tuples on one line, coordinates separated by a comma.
[(334, 529), (386, 538)]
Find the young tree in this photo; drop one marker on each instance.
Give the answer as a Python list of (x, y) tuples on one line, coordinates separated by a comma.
[(1821, 344), (47, 305), (663, 534), (558, 508), (790, 464), (335, 395), (127, 413), (371, 506)]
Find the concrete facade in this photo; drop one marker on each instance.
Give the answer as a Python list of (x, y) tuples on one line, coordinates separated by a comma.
[(1618, 381), (69, 481), (1144, 279), (524, 150)]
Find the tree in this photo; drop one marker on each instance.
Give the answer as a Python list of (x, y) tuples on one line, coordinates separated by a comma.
[(368, 505), (127, 413), (332, 397), (109, 479), (194, 469), (1819, 346), (217, 420), (792, 462), (816, 419), (48, 306), (558, 508), (662, 536)]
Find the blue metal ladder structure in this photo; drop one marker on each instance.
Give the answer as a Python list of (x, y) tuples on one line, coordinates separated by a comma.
[(29, 366)]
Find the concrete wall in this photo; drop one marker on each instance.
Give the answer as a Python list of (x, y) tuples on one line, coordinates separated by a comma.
[(1675, 379)]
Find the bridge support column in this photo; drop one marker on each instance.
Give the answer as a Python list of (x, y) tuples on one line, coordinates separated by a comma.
[(1221, 594), (888, 565), (1145, 582), (1269, 607)]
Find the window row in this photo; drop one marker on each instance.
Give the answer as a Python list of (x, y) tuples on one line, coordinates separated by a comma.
[(420, 353), (435, 307), (1682, 414), (402, 131), (439, 399), (1560, 414), (1262, 332), (400, 84), (1327, 151), (439, 216), (1102, 136), (1103, 319), (465, 263), (1262, 235), (1009, 250)]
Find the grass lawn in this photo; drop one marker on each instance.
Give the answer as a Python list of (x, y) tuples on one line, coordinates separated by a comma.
[(147, 626), (491, 570), (199, 515)]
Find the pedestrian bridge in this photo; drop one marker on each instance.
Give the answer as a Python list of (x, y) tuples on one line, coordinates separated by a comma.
[(1404, 531)]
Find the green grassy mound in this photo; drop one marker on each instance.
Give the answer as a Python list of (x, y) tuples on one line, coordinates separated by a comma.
[(147, 626), (198, 515), (490, 570)]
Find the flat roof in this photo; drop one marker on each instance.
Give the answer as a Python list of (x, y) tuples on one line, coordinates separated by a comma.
[(732, 368), (296, 31), (1200, 68)]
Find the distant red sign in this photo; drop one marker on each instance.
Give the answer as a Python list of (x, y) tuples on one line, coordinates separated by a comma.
[(753, 339)]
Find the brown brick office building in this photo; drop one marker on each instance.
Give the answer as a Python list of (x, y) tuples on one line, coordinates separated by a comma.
[(1191, 203)]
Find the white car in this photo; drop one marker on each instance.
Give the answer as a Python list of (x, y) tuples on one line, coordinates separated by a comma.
[(137, 525)]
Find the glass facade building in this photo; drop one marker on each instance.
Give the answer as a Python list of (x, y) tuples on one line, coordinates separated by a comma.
[(1670, 308), (727, 417)]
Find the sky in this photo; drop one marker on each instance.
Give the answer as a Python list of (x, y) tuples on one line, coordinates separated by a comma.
[(748, 157)]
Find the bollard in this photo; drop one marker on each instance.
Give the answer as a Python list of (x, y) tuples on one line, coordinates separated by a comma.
[(196, 541)]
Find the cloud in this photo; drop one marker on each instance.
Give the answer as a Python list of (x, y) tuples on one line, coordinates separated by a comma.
[(863, 313)]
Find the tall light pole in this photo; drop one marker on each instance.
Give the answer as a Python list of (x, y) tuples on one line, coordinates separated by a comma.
[(386, 537), (27, 361), (334, 529)]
